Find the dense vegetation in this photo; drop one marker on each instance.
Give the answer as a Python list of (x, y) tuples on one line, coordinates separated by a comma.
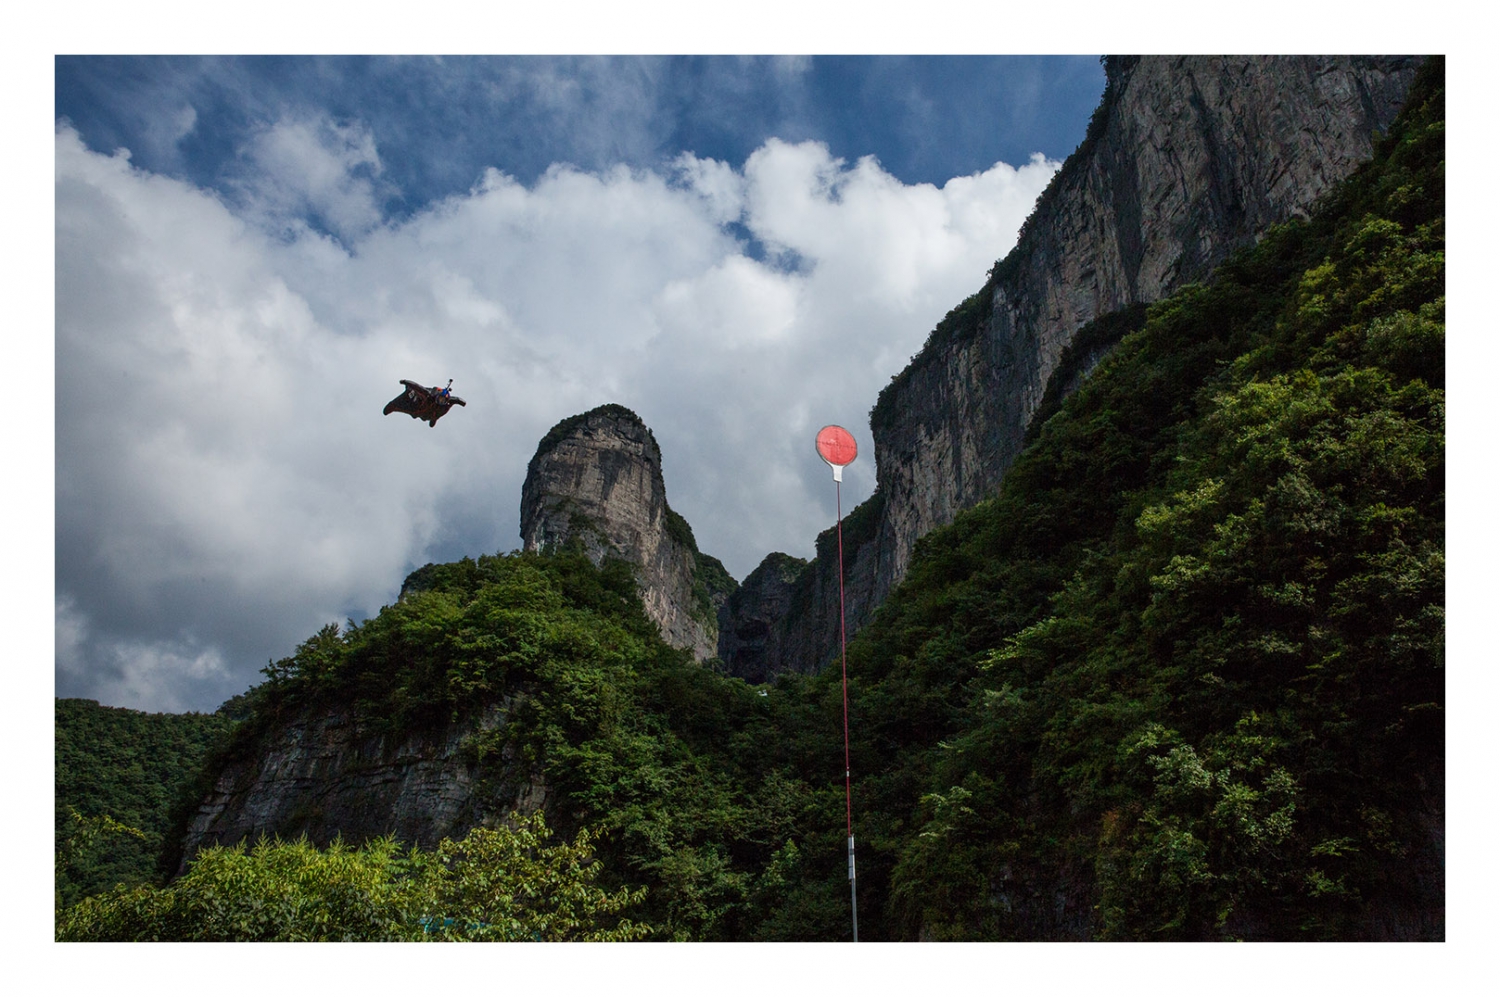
[(1187, 667), (501, 884), (117, 768), (669, 764), (1182, 678)]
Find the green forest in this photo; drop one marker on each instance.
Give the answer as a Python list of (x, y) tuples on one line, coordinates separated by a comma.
[(1182, 678), (118, 772)]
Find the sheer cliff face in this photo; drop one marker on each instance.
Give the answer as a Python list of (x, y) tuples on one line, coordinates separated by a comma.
[(785, 615), (1188, 159), (1196, 156), (749, 635), (324, 775), (596, 479)]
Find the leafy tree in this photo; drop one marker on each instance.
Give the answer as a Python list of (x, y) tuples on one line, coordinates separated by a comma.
[(496, 884)]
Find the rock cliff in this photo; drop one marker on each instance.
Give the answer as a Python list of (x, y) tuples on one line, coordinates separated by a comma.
[(596, 481), (748, 631), (1185, 160), (328, 774)]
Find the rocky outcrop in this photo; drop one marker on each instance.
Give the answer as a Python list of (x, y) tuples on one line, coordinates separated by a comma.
[(748, 636), (329, 774), (795, 619), (596, 481), (1187, 159)]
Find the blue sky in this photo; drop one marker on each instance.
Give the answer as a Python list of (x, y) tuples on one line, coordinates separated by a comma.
[(440, 122), (252, 252)]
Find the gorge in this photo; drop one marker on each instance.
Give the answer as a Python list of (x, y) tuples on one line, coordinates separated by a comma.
[(1159, 643)]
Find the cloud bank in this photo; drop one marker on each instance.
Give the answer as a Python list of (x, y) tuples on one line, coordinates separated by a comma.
[(226, 483)]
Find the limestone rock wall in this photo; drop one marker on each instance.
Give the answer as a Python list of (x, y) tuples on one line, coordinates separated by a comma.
[(326, 774), (1189, 158), (748, 632), (596, 480), (1196, 157)]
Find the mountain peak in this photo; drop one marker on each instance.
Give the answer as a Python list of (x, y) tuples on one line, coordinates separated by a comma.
[(596, 482)]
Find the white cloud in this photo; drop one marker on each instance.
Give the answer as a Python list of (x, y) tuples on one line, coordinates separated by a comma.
[(159, 676), (225, 480), (892, 242), (736, 305), (71, 634), (183, 122), (314, 164), (717, 183), (791, 66)]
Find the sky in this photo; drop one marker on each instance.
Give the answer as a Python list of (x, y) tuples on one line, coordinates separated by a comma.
[(250, 253)]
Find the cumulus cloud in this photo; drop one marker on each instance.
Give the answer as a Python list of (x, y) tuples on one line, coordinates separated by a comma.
[(315, 166), (226, 483)]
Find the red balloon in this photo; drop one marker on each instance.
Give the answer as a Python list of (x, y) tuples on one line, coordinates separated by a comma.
[(836, 446)]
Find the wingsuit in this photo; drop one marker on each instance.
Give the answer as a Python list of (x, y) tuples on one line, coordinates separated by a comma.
[(421, 402)]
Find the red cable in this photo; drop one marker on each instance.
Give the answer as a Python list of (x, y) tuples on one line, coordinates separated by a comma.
[(844, 665), (844, 662)]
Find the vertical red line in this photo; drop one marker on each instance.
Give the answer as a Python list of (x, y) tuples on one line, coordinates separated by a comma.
[(844, 666), (844, 662)]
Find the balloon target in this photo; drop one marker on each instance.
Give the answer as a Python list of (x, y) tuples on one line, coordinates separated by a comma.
[(837, 448)]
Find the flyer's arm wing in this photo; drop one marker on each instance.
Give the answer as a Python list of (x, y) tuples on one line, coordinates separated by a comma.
[(409, 401)]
